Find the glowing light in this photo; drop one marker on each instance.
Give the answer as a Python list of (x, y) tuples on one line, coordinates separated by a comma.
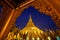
[(33, 28), (33, 38), (26, 32), (58, 38), (27, 38), (14, 37), (18, 36), (49, 38), (38, 38), (50, 31)]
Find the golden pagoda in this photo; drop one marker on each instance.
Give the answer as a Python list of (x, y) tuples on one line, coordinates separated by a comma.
[(31, 29), (10, 14)]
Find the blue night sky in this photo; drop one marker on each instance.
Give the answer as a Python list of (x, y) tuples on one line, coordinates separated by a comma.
[(0, 8), (40, 20)]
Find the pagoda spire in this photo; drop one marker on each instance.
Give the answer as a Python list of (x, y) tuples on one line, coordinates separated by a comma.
[(31, 28), (30, 22)]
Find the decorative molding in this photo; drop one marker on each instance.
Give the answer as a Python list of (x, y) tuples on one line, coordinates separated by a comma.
[(14, 5)]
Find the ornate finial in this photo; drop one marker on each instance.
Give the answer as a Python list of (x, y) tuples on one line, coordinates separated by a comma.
[(30, 19), (30, 23)]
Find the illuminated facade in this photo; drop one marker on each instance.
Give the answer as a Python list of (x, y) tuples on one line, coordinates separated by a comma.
[(33, 25), (41, 18)]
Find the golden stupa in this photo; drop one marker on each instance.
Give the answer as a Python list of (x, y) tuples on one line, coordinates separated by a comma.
[(31, 29)]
